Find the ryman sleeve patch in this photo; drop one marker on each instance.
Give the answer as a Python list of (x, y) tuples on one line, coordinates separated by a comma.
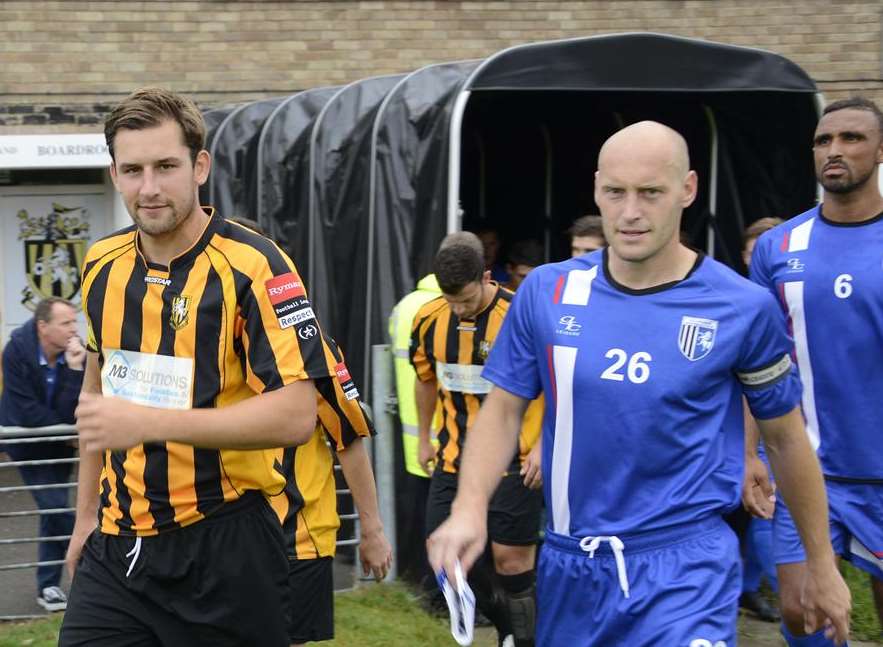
[(290, 303)]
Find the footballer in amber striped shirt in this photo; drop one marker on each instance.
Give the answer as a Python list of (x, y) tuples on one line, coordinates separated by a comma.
[(308, 509), (451, 338), (203, 351)]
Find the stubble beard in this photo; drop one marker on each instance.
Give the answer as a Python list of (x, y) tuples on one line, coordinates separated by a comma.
[(846, 184), (166, 225)]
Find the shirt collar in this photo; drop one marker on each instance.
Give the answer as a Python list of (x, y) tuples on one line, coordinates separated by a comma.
[(41, 356)]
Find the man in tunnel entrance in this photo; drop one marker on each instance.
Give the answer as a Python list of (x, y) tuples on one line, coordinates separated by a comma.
[(452, 336)]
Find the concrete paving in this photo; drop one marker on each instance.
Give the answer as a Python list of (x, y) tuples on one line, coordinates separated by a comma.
[(18, 588)]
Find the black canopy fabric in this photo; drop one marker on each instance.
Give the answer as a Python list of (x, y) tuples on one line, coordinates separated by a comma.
[(279, 182), (409, 178), (340, 190), (213, 119), (643, 62), (231, 142), (359, 185)]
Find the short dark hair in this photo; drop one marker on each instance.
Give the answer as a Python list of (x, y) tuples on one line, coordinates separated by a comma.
[(456, 266), (463, 238), (587, 226), (857, 103), (43, 311), (759, 226), (528, 252), (149, 107)]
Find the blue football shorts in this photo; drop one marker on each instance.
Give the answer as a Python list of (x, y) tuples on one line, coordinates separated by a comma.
[(855, 513), (677, 587)]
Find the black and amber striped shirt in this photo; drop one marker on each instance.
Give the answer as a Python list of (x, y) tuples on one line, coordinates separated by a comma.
[(453, 352), (228, 319), (308, 508)]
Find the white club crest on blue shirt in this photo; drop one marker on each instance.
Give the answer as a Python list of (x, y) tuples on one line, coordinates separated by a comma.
[(696, 337)]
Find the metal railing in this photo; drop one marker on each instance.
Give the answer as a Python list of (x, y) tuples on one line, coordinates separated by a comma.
[(14, 520)]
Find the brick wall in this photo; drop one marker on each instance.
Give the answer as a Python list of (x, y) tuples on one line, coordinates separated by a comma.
[(65, 61)]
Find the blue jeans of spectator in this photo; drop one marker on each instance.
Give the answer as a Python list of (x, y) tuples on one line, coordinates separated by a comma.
[(758, 558), (51, 525)]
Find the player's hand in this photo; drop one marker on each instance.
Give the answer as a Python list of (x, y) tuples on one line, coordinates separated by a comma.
[(426, 455), (75, 354), (109, 423), (531, 469), (826, 601), (758, 492), (79, 535), (462, 536), (375, 553)]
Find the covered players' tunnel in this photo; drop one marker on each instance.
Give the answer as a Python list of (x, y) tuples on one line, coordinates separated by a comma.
[(360, 183), (534, 117)]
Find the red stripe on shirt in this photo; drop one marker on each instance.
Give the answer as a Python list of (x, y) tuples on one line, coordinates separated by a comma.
[(558, 286), (549, 352)]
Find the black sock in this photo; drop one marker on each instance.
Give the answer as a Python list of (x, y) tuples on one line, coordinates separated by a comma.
[(518, 583), (520, 591), (488, 600)]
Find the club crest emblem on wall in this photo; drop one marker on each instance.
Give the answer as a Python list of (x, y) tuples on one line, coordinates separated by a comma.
[(54, 247)]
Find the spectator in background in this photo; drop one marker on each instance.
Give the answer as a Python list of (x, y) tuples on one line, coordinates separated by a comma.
[(400, 320), (757, 541), (42, 374), (524, 256), (753, 232), (586, 235), (490, 239)]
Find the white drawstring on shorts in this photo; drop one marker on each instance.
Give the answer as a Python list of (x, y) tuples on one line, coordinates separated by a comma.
[(134, 553), (591, 544)]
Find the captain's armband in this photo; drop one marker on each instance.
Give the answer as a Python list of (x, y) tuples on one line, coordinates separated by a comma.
[(767, 375)]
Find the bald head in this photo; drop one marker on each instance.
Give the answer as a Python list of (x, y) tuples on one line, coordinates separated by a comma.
[(647, 140), (642, 186)]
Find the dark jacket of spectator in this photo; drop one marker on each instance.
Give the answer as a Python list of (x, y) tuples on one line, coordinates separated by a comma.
[(23, 402)]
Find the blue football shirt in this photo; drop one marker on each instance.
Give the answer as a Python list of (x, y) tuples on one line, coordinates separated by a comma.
[(829, 280), (643, 426)]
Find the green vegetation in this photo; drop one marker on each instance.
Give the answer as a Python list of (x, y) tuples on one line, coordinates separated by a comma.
[(390, 616), (864, 622), (373, 616), (39, 633)]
